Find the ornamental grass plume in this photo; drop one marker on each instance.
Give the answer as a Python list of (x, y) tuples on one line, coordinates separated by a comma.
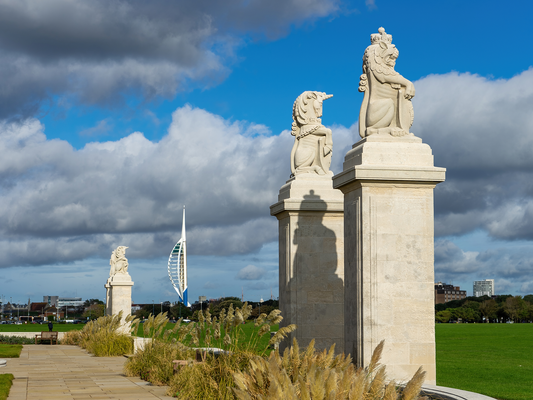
[(154, 363), (213, 378), (309, 374), (102, 337)]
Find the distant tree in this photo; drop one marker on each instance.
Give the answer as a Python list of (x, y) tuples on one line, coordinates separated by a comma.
[(264, 310), (216, 308), (94, 311), (179, 310), (502, 298), (443, 316), (90, 302), (529, 298), (143, 313), (489, 309), (474, 305), (466, 314), (194, 316), (529, 308), (515, 307)]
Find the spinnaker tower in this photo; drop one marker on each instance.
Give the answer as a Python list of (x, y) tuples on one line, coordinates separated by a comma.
[(177, 266)]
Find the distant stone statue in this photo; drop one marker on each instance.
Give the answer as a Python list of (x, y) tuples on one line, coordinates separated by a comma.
[(387, 107), (313, 142), (118, 262)]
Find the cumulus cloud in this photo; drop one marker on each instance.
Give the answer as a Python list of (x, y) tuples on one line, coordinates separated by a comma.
[(59, 204), (510, 266), (97, 50), (251, 273), (481, 130)]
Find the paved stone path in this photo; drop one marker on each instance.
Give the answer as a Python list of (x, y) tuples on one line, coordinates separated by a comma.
[(69, 372)]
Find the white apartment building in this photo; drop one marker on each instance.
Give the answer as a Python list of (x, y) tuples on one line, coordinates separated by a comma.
[(485, 287)]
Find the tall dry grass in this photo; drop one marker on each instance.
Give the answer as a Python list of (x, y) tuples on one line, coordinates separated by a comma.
[(102, 337), (213, 378), (154, 362), (310, 374)]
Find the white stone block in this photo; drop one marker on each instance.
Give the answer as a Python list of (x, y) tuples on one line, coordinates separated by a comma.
[(388, 185), (311, 229)]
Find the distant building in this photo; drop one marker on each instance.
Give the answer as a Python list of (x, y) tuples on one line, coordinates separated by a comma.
[(70, 302), (482, 288), (50, 300), (38, 307), (445, 293), (63, 301)]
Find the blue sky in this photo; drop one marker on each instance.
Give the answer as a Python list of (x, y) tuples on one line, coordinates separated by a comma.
[(115, 114)]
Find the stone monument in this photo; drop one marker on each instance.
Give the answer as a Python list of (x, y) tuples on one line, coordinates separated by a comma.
[(388, 179), (310, 215), (118, 286)]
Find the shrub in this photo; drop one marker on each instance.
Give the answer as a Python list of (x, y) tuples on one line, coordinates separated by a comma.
[(320, 375), (102, 337), (71, 338), (214, 377), (16, 340), (154, 362)]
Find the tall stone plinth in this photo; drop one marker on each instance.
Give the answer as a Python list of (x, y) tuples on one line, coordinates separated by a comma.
[(118, 296), (388, 187), (311, 263)]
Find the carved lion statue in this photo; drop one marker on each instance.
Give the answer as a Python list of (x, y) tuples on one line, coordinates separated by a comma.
[(311, 152), (118, 261), (387, 107)]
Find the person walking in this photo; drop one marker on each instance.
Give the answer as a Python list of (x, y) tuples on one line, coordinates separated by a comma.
[(50, 326)]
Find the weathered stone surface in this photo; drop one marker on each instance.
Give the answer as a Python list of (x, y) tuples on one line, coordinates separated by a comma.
[(313, 143), (118, 287), (386, 108), (388, 186), (311, 229)]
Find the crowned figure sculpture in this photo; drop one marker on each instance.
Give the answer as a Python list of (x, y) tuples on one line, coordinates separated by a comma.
[(118, 261), (387, 107), (388, 180), (118, 287), (313, 143)]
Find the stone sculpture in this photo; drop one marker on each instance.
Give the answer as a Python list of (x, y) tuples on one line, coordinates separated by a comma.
[(387, 107), (118, 261), (313, 142)]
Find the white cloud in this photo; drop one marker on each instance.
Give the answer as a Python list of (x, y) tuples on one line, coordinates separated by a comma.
[(481, 130), (95, 51), (510, 266), (69, 204), (251, 273)]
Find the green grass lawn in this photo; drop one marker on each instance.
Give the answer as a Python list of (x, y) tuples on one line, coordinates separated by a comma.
[(5, 385), (492, 359), (10, 350), (40, 328), (246, 331), (7, 351)]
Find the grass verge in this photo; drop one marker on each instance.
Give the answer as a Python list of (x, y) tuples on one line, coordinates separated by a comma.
[(7, 351), (10, 350), (492, 359), (40, 328), (6, 380)]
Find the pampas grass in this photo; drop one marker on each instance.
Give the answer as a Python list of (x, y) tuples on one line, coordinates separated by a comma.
[(309, 374), (102, 337), (154, 362)]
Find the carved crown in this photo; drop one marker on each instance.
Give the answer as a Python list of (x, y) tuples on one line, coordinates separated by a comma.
[(382, 36)]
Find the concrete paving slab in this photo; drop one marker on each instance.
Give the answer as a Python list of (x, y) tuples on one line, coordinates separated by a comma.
[(69, 372)]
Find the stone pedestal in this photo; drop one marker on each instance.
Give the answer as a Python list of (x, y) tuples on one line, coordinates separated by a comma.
[(311, 263), (388, 187), (118, 296)]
